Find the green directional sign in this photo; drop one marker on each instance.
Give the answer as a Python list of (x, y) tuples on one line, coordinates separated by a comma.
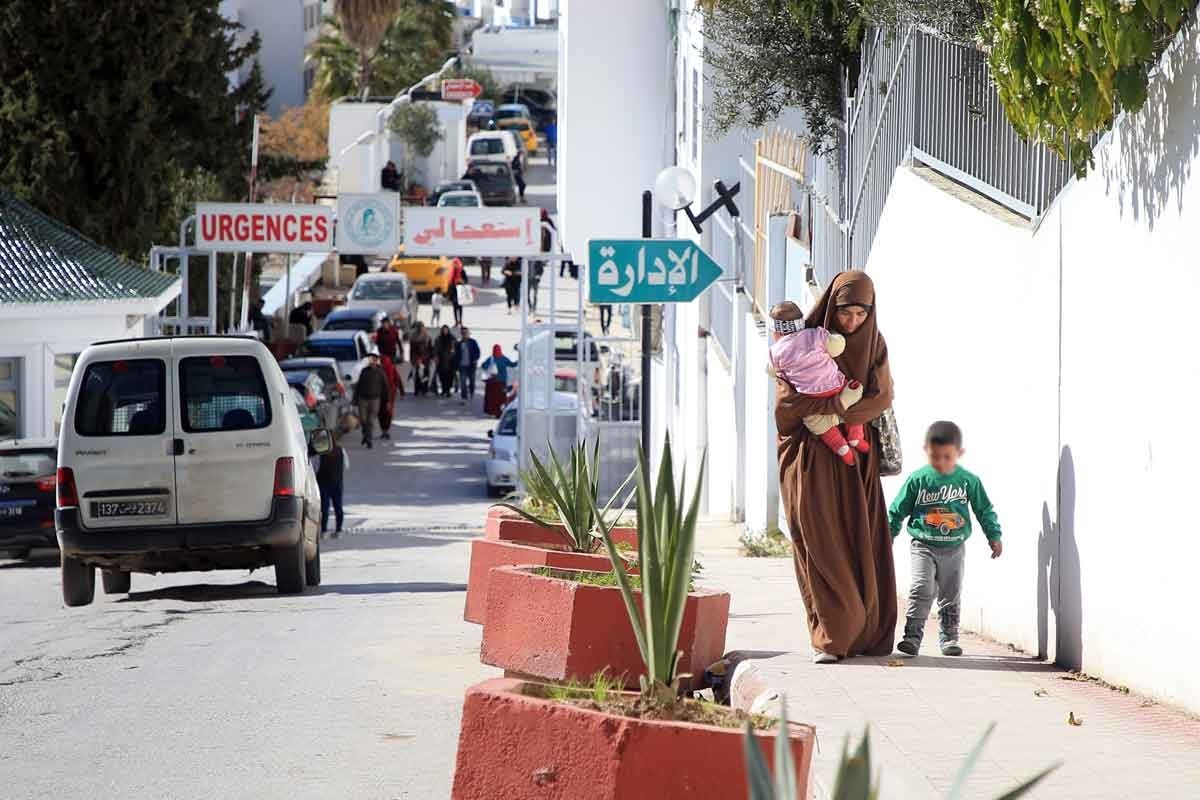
[(648, 271)]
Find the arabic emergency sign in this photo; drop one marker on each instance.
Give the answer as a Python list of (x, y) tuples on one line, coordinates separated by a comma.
[(368, 224), (648, 271), (263, 228), (467, 231), (460, 89)]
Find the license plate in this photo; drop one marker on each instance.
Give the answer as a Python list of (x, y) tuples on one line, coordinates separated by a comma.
[(14, 508), (130, 508)]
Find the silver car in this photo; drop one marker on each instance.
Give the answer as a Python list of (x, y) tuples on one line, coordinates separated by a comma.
[(390, 292)]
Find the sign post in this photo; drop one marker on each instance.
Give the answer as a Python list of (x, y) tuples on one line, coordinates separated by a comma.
[(647, 271)]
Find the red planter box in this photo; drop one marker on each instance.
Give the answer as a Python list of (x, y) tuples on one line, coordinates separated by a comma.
[(506, 526), (521, 747), (559, 630), (487, 554)]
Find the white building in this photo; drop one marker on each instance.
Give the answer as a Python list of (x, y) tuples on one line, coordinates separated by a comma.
[(286, 28), (527, 55), (60, 292)]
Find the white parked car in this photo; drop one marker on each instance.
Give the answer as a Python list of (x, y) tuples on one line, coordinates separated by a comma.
[(503, 461), (498, 146), (461, 199), (184, 454), (348, 348), (390, 292)]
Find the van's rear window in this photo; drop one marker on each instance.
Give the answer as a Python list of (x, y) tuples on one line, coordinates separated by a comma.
[(122, 398), (223, 393)]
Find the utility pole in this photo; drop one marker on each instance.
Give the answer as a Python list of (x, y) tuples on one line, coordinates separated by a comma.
[(647, 233)]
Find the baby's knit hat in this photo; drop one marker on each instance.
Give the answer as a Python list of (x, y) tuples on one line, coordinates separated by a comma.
[(787, 317)]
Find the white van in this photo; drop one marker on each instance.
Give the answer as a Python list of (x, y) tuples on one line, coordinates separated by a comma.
[(184, 454), (499, 146)]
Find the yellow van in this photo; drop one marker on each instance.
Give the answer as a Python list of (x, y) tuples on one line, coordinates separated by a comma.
[(428, 274), (523, 129)]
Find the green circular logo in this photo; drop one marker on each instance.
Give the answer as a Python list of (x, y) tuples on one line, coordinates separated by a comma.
[(370, 222)]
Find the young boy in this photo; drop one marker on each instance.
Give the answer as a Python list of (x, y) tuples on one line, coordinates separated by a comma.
[(935, 501)]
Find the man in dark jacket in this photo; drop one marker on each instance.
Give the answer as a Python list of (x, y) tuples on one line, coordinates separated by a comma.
[(467, 357), (302, 315), (369, 394)]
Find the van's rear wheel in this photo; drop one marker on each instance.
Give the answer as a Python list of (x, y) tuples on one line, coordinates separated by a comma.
[(78, 582), (290, 568), (312, 569), (115, 581)]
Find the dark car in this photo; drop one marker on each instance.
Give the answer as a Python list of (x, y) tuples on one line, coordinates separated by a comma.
[(451, 186), (27, 495), (495, 182), (355, 319)]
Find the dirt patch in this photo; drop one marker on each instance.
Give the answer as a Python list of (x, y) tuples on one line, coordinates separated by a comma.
[(634, 706)]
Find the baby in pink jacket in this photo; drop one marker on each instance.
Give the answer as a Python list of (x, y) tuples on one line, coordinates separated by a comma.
[(804, 357)]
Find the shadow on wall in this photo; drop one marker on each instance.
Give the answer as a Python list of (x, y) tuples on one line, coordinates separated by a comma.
[(1058, 582), (1159, 143)]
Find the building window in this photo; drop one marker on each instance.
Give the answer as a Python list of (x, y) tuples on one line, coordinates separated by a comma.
[(695, 115), (10, 398), (64, 365)]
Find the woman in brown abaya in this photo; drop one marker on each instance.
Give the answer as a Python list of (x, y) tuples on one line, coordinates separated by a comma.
[(836, 513)]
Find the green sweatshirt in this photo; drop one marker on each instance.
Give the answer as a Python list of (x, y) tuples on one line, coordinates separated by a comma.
[(936, 506)]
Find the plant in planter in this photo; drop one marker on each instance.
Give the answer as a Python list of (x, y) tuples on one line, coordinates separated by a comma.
[(568, 492), (525, 740)]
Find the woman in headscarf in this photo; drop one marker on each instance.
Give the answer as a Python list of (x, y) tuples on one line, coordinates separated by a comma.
[(495, 388), (837, 515)]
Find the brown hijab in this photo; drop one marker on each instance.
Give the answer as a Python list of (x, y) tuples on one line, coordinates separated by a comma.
[(865, 357)]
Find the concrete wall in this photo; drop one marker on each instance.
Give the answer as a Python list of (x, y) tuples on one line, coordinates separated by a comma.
[(348, 121), (1060, 352), (614, 116), (280, 25)]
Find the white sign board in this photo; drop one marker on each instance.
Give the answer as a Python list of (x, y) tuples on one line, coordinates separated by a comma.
[(368, 224), (263, 228), (461, 231)]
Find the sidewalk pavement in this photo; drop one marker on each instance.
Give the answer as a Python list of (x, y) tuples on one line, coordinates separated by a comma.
[(926, 713)]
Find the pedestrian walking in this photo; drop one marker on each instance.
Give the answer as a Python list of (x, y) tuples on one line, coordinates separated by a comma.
[(937, 502), (369, 394), (387, 339), (456, 293), (495, 387), (420, 352), (468, 362), (331, 472), (838, 516), (605, 318), (518, 172), (387, 404), (535, 280), (445, 350), (436, 301), (512, 283), (302, 315), (485, 272), (259, 321), (551, 131)]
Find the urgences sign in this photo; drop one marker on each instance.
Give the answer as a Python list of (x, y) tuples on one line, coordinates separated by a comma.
[(260, 228)]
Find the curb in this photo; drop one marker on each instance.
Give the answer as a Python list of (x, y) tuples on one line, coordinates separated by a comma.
[(750, 691)]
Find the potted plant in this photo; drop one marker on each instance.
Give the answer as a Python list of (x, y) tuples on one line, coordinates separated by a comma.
[(570, 492), (526, 740)]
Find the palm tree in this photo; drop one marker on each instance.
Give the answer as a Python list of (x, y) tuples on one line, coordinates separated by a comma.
[(414, 31), (338, 63), (364, 24)]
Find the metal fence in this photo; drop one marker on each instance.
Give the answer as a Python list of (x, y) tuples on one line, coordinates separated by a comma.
[(922, 98)]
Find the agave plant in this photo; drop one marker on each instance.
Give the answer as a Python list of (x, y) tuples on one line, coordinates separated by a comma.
[(666, 545), (573, 492), (854, 779)]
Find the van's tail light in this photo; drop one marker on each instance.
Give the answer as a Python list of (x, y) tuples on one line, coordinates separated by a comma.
[(68, 495), (285, 483), (47, 484)]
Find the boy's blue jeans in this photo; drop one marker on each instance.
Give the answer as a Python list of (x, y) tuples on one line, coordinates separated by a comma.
[(331, 494), (937, 572)]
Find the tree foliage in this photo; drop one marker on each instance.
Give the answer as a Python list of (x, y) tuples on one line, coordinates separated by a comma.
[(490, 87), (413, 41), (113, 118), (294, 150), (417, 126), (1064, 69)]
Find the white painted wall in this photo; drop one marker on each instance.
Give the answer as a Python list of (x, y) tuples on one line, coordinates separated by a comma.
[(349, 120), (1100, 547), (280, 26)]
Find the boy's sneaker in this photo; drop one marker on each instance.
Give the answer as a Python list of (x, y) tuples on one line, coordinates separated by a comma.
[(908, 647), (950, 648), (821, 657)]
